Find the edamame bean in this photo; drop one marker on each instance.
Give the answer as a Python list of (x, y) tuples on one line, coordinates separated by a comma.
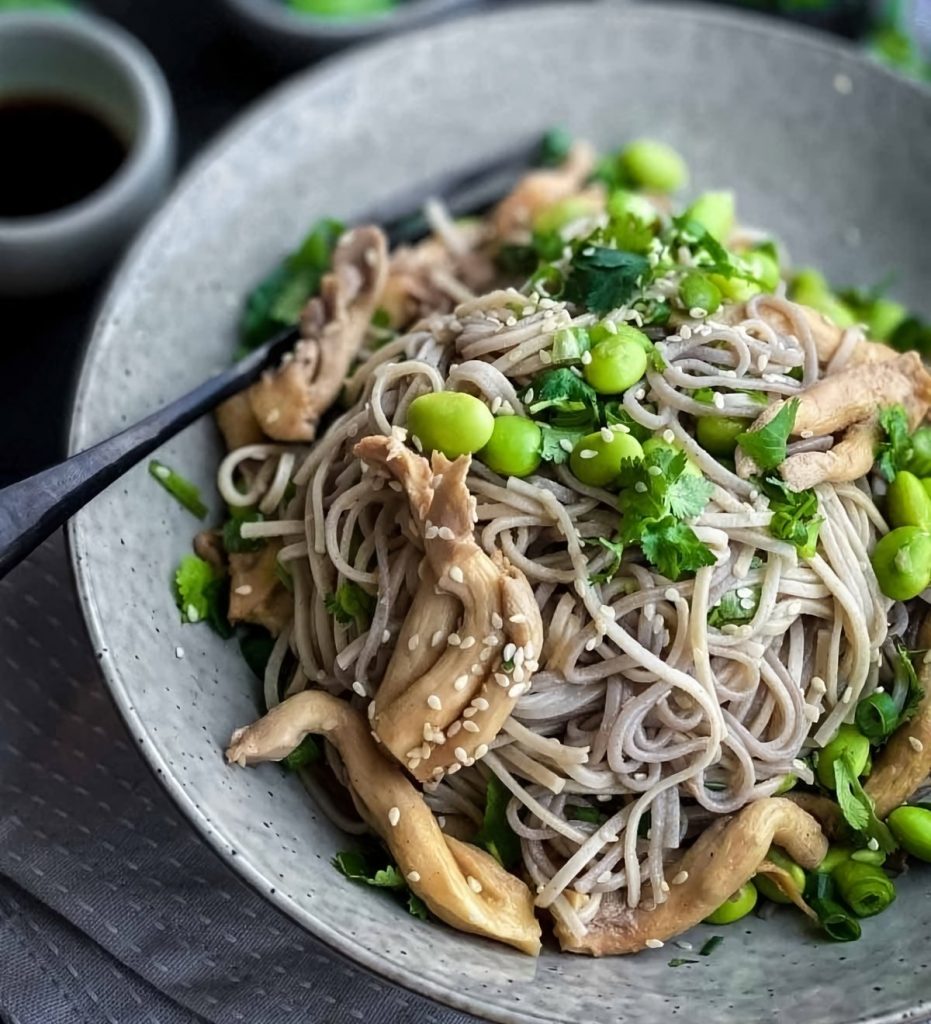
[(811, 289), (633, 221), (451, 422), (919, 461), (653, 165), (865, 888), (554, 218), (849, 740), (715, 212), (718, 434), (698, 291), (738, 906), (618, 361), (907, 502), (881, 317), (835, 855), (902, 562), (911, 827), (763, 267), (597, 461), (514, 446), (768, 888)]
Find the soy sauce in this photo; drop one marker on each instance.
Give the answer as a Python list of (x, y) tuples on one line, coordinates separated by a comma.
[(55, 153)]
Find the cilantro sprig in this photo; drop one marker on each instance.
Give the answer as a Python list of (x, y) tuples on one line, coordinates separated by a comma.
[(767, 445), (895, 448), (796, 515), (496, 835), (602, 279), (371, 867), (350, 603), (857, 806)]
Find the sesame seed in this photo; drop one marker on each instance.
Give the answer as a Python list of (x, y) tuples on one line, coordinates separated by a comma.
[(640, 394), (480, 703), (431, 533), (529, 651), (413, 876), (843, 84), (718, 400), (873, 844), (916, 744), (486, 653), (394, 816), (587, 453), (453, 768), (414, 764), (193, 615), (359, 687), (586, 358), (519, 689), (545, 357), (179, 652), (413, 643), (509, 651), (244, 590), (461, 683), (502, 680), (469, 712), (681, 878), (474, 884), (565, 444), (654, 944), (606, 435), (470, 726), (847, 696), (698, 313), (434, 702), (468, 642), (454, 639), (453, 729), (517, 618), (162, 472), (591, 643), (668, 436), (461, 755), (640, 487), (437, 638), (446, 534), (455, 574), (496, 620), (664, 885)]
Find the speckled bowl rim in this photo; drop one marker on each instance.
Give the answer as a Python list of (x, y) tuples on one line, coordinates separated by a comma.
[(225, 846)]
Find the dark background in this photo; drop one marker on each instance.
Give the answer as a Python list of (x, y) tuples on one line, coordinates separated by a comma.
[(212, 74)]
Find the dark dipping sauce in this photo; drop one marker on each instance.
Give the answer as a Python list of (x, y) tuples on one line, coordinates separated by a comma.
[(55, 153)]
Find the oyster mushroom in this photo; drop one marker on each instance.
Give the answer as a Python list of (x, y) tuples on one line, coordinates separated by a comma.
[(288, 402), (723, 858), (237, 422), (461, 884), (449, 709), (256, 591)]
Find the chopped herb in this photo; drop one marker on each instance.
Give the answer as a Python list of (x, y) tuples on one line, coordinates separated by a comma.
[(183, 491), (416, 906), (305, 753), (372, 866), (711, 945), (767, 446), (278, 300), (255, 645), (857, 806), (381, 319), (912, 335), (233, 540), (202, 594), (895, 449), (674, 548), (553, 450), (496, 835), (351, 603), (679, 961), (569, 344), (561, 390), (796, 516), (555, 147), (574, 812), (603, 279), (615, 413), (733, 609), (611, 569)]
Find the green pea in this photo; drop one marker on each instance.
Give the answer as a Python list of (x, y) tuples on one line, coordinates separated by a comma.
[(919, 460), (911, 827), (738, 906), (597, 461), (698, 291), (715, 212), (554, 218), (768, 888), (653, 165), (604, 330), (902, 562), (718, 434), (633, 221), (881, 317), (849, 740), (618, 362), (907, 501), (656, 443), (514, 446), (451, 422), (764, 267), (811, 289)]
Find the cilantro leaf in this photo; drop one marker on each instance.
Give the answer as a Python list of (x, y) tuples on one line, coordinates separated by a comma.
[(558, 442), (857, 806), (796, 516), (914, 694), (733, 609), (351, 603), (233, 540), (767, 446), (615, 413), (372, 866), (895, 448), (561, 390), (201, 594), (416, 906), (305, 753), (674, 548), (183, 491), (601, 279), (496, 835), (575, 812), (610, 570), (276, 302)]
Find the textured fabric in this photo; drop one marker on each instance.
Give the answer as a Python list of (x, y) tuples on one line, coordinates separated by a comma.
[(111, 907)]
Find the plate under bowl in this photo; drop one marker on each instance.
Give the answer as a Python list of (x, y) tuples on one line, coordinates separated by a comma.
[(828, 150)]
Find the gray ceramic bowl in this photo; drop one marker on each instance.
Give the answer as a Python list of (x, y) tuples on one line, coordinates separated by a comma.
[(290, 37), (832, 152)]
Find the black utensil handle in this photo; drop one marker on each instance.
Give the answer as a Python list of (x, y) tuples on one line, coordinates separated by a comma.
[(37, 506)]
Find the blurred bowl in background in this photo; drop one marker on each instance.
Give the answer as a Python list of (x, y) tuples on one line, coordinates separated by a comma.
[(90, 67), (292, 37)]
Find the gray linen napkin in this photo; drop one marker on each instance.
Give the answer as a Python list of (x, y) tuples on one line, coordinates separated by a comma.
[(111, 907)]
